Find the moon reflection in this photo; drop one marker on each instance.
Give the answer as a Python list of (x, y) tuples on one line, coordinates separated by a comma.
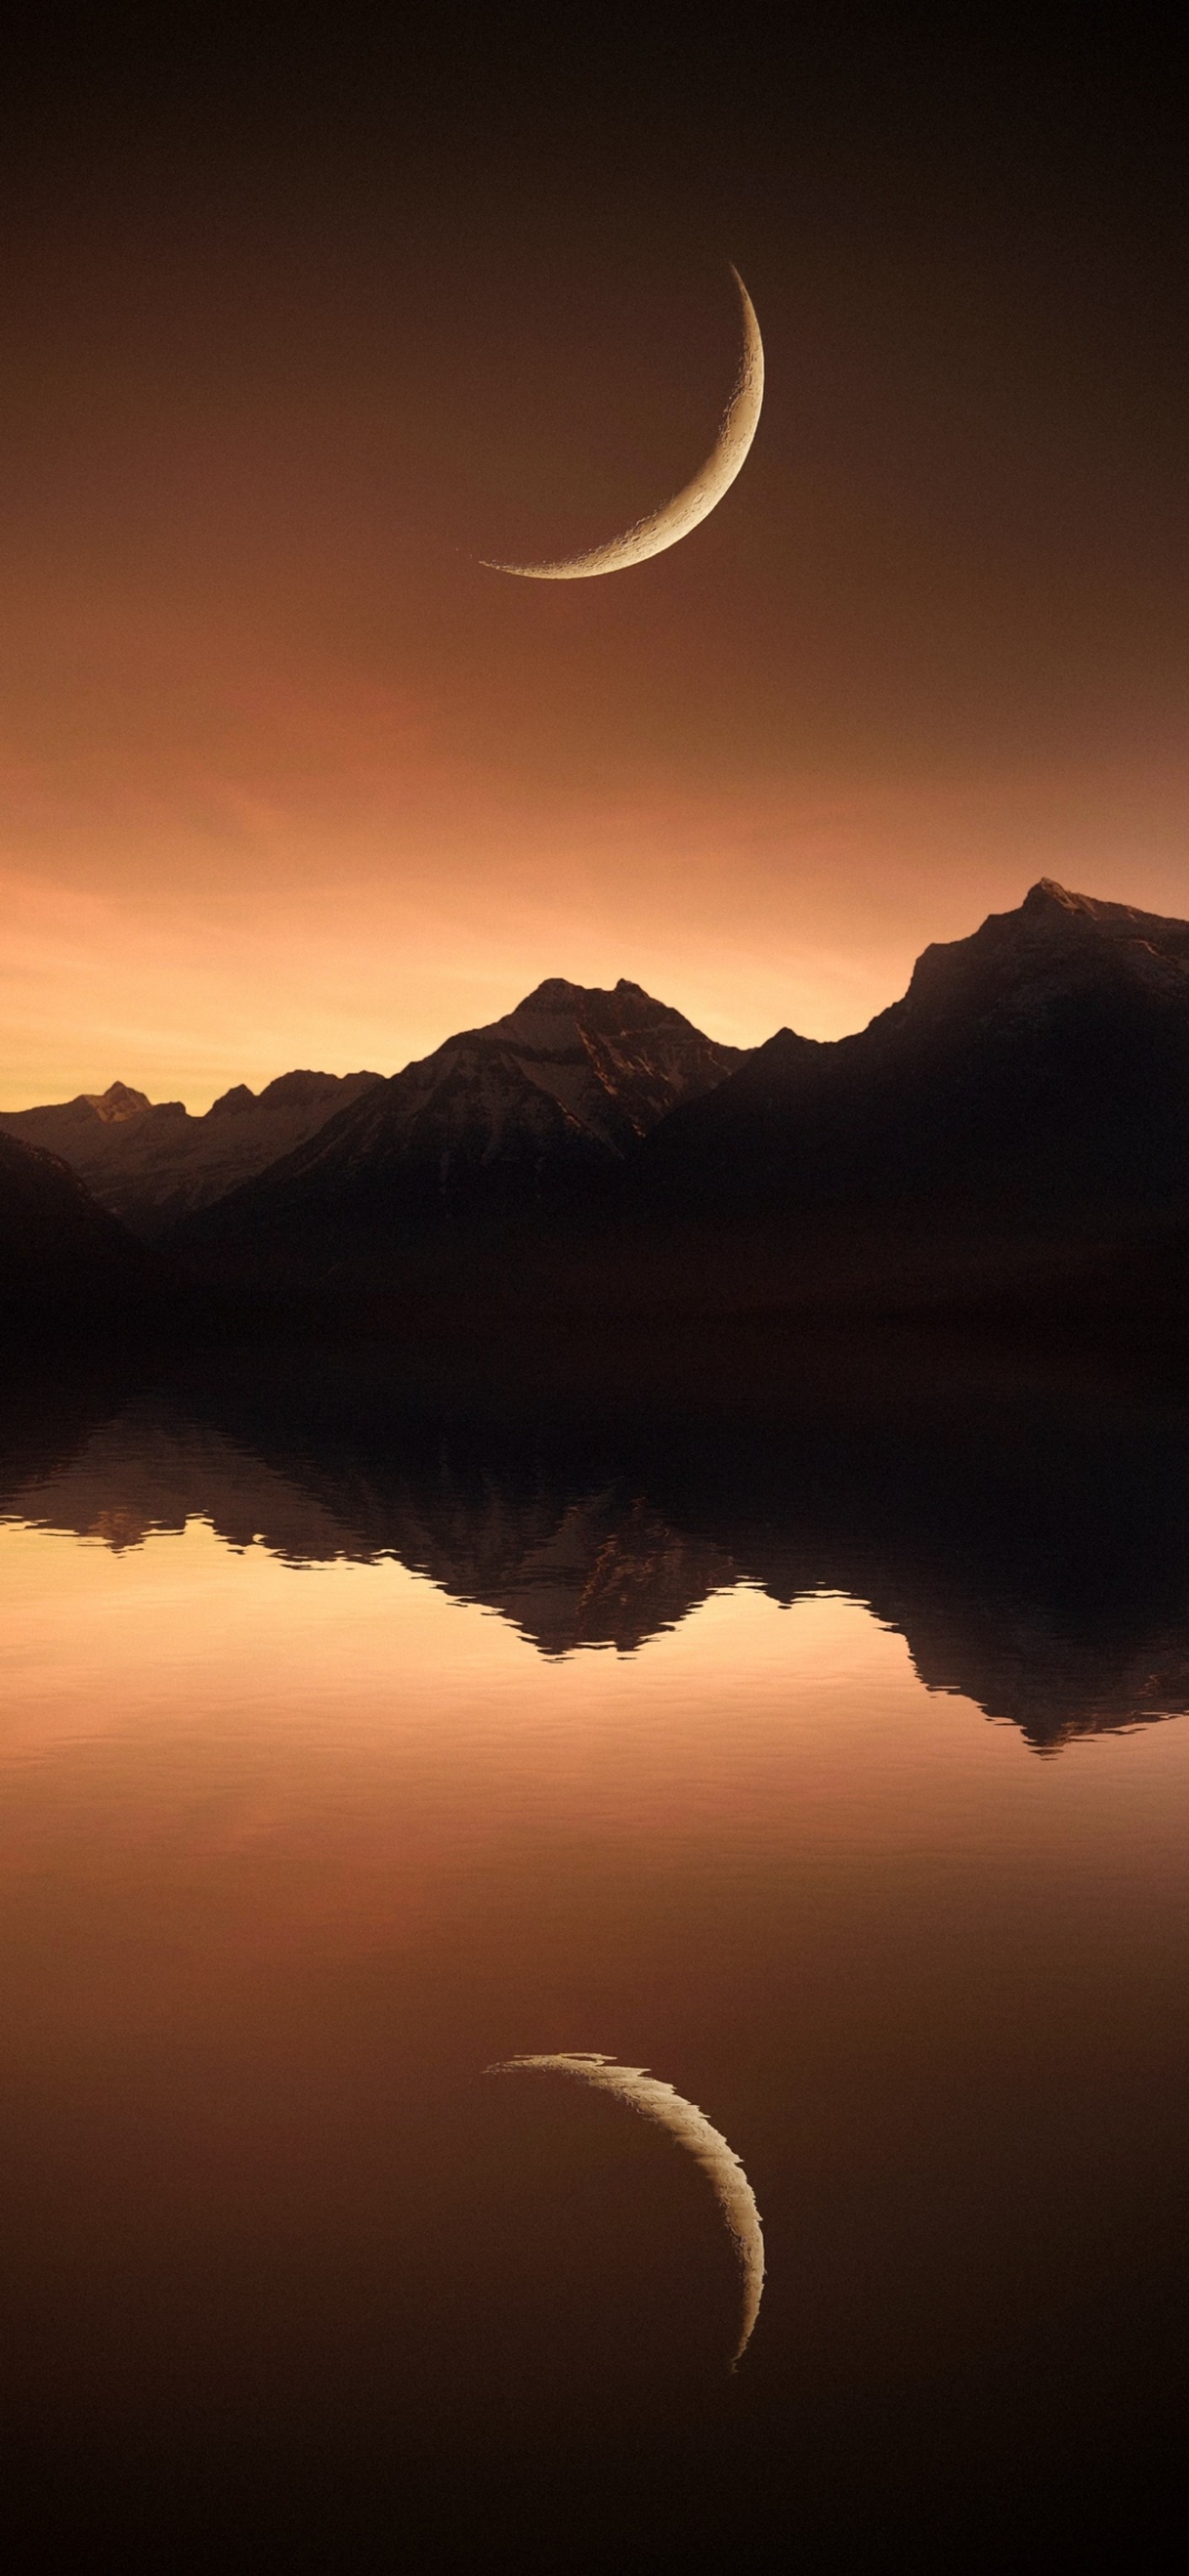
[(656, 2101)]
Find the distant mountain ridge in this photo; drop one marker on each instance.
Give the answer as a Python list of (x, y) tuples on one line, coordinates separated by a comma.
[(1017, 1126), (498, 1120), (149, 1162), (112, 1106), (1020, 1118)]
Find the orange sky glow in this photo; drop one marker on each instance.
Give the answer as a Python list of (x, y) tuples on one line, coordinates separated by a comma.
[(287, 777)]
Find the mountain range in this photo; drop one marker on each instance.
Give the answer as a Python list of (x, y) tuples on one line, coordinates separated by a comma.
[(149, 1163), (524, 1122), (1018, 1123), (1016, 1126)]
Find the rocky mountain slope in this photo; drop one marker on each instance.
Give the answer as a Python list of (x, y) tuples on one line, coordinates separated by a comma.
[(149, 1162), (1016, 1125), (497, 1122), (1022, 1112), (1039, 1067), (62, 1257)]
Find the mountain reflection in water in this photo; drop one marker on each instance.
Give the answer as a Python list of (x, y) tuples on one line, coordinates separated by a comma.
[(1025, 1527), (292, 1849)]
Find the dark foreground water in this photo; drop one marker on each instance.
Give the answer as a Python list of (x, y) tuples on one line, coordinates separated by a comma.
[(803, 1726)]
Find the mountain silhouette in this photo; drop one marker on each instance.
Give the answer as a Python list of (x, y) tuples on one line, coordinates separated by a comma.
[(62, 1257), (149, 1163), (1030, 1091), (1016, 1127), (1012, 1135), (1042, 1063), (1025, 1530), (497, 1123)]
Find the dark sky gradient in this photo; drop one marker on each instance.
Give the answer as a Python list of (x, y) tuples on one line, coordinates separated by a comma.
[(302, 318)]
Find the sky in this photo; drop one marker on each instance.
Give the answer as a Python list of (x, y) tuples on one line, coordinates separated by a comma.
[(304, 316)]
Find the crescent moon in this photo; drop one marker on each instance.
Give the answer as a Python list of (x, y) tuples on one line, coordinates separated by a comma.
[(696, 500), (656, 2101)]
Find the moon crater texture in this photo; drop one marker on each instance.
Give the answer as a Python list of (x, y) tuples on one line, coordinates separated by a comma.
[(696, 499), (645, 2093)]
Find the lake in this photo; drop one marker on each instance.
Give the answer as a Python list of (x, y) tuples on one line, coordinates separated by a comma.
[(805, 1725)]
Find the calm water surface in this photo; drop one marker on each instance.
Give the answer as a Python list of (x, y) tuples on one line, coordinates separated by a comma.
[(833, 1770)]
